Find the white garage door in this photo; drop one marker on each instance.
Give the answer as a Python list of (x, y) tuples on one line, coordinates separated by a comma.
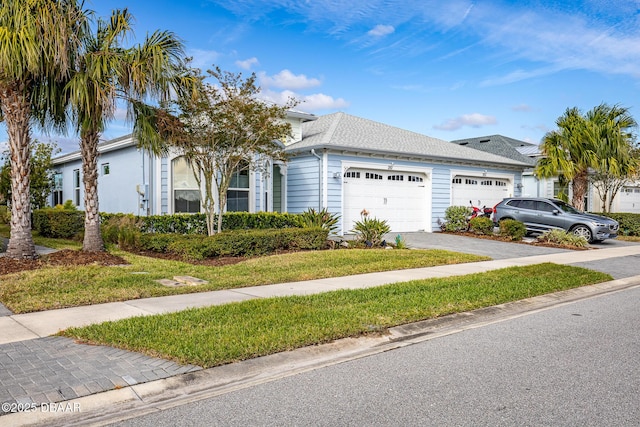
[(481, 191), (398, 197), (629, 200)]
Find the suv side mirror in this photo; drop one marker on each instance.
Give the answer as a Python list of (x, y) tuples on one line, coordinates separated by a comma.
[(556, 212)]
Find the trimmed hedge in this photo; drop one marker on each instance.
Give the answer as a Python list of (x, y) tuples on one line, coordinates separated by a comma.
[(236, 243), (629, 222), (58, 223), (197, 224)]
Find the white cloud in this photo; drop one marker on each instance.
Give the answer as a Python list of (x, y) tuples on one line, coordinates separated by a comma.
[(308, 103), (320, 101), (285, 79), (474, 120), (203, 59), (381, 30), (247, 63)]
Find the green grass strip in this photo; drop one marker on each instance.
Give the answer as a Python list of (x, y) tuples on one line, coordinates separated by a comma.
[(223, 334), (60, 287)]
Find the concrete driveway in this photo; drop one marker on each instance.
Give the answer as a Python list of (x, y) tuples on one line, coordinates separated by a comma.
[(617, 267)]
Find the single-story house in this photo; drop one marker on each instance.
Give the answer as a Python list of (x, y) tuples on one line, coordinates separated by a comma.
[(627, 200), (344, 163)]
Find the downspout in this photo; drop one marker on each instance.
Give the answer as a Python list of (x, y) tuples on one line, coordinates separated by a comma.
[(313, 152), (325, 175)]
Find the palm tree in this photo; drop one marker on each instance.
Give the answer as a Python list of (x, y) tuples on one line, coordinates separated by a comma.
[(576, 147), (108, 73), (609, 132), (38, 39)]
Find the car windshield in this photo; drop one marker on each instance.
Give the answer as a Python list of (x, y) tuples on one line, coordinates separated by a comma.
[(566, 207)]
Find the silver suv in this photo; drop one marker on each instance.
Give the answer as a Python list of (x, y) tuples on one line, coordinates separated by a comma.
[(541, 214)]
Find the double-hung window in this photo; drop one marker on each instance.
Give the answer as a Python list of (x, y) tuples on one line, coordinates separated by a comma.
[(238, 192), (186, 193)]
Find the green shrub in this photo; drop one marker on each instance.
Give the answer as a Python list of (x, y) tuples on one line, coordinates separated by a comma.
[(513, 229), (323, 219), (629, 222), (371, 230), (58, 223), (69, 206), (456, 218), (562, 237), (482, 225), (123, 230), (235, 243), (176, 223), (259, 220), (156, 242)]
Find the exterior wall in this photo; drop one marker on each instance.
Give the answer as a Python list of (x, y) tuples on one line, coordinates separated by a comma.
[(303, 188), (117, 191), (440, 194)]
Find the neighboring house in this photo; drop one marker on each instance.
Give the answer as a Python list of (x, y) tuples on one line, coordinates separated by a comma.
[(627, 200), (340, 162)]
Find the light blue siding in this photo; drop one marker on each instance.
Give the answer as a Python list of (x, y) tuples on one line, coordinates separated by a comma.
[(303, 187)]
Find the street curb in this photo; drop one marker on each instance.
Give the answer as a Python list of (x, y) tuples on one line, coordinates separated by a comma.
[(134, 401)]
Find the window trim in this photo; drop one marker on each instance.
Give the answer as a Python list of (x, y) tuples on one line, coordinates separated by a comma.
[(76, 187)]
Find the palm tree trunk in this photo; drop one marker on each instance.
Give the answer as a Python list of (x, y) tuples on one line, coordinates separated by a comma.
[(15, 108), (89, 148), (580, 187)]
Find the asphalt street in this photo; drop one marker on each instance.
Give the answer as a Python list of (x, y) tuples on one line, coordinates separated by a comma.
[(571, 365)]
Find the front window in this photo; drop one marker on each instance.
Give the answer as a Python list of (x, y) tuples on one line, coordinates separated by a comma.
[(57, 189), (186, 193), (76, 187), (238, 192)]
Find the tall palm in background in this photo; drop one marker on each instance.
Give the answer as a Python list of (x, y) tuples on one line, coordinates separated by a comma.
[(38, 41), (609, 131), (598, 140), (108, 73)]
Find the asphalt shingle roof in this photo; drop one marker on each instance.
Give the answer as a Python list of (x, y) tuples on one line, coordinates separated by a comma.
[(501, 146), (341, 131)]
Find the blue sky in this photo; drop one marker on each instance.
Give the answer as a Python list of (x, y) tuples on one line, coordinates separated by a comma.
[(449, 69)]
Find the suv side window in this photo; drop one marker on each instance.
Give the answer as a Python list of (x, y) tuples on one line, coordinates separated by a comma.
[(514, 203), (544, 206), (527, 204)]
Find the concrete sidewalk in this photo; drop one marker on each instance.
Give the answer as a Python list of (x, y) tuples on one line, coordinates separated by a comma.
[(37, 370)]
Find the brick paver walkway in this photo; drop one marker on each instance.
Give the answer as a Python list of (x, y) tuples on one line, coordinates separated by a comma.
[(55, 369)]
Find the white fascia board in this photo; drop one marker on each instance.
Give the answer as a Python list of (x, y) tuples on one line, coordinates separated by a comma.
[(114, 144)]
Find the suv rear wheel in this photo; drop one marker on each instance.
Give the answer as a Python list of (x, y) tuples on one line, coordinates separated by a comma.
[(584, 231)]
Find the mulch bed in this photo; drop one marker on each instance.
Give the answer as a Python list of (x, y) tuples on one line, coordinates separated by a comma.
[(60, 258), (69, 257)]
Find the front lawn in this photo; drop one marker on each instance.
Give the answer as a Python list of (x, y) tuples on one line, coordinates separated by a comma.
[(58, 287), (224, 334)]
